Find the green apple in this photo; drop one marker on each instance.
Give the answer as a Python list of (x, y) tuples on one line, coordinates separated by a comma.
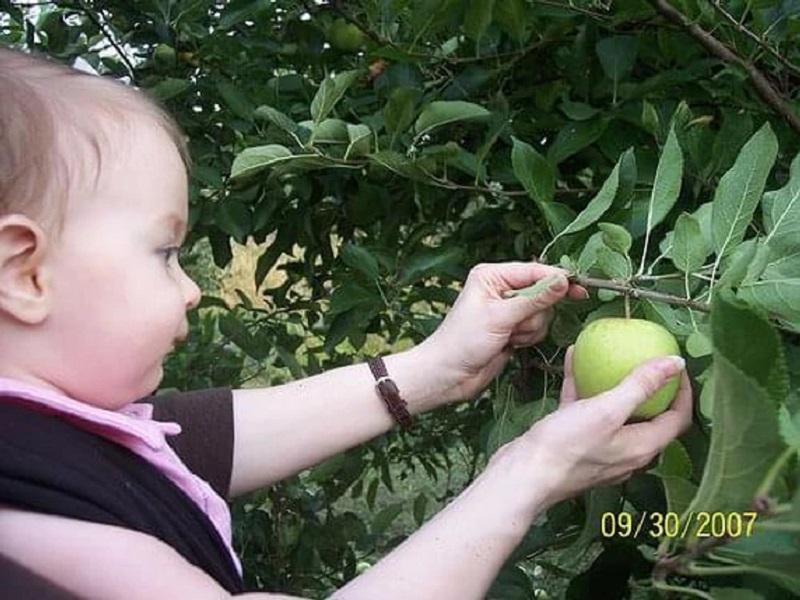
[(608, 349), (345, 36)]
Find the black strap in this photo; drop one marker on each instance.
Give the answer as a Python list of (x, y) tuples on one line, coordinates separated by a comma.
[(49, 465)]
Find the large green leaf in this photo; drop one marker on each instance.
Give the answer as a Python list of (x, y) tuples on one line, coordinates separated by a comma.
[(256, 158), (442, 112), (574, 137), (617, 55), (740, 189), (533, 171), (781, 209), (744, 432), (688, 247), (667, 184), (780, 296), (330, 92), (400, 109)]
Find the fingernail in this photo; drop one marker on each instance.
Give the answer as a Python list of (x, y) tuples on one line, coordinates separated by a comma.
[(678, 361), (585, 294)]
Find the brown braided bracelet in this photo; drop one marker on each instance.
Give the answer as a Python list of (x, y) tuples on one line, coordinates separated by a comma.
[(389, 392)]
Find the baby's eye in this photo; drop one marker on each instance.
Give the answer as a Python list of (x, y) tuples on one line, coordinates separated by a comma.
[(168, 252)]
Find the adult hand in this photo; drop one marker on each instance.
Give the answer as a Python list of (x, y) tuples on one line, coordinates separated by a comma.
[(586, 443), (478, 336)]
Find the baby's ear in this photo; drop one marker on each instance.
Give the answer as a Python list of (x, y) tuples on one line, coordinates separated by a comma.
[(24, 285)]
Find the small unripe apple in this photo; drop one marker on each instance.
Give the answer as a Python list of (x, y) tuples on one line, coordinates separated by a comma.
[(608, 349), (345, 36)]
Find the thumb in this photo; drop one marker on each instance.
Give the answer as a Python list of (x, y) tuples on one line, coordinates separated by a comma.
[(536, 298), (641, 383)]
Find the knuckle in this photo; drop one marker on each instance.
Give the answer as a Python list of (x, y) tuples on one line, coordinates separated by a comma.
[(648, 381)]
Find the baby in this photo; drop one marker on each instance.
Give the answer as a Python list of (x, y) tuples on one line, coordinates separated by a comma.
[(93, 211), (93, 247), (116, 493)]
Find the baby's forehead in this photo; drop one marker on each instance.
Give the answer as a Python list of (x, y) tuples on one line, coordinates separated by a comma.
[(108, 142)]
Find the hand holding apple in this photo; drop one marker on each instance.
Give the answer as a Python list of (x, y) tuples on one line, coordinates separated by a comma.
[(481, 330), (608, 349), (588, 443)]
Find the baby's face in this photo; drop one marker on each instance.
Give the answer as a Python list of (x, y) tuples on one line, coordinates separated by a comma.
[(117, 302)]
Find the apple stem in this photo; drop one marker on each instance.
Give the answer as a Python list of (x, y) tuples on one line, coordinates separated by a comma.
[(627, 305)]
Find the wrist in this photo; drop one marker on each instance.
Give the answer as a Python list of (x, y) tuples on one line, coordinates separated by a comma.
[(420, 379), (522, 469)]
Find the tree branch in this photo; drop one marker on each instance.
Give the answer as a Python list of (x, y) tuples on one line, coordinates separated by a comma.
[(639, 293), (762, 86)]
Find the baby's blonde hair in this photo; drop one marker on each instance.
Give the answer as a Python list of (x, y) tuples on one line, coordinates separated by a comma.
[(46, 110)]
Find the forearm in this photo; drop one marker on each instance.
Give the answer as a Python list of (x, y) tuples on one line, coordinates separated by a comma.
[(458, 553), (281, 430)]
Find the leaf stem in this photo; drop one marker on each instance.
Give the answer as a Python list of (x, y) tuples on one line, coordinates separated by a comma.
[(774, 471)]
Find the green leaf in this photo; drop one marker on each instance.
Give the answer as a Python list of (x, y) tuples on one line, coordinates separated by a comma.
[(613, 264), (513, 419), (697, 345), (588, 255), (431, 261), (781, 211), (384, 518), (688, 246), (595, 209), (442, 112), (740, 189), (254, 159), (533, 171), (574, 137), (511, 16), (398, 163), (676, 320), (235, 99), (169, 87), (330, 92), (667, 183), (650, 119), (789, 427), (744, 433), (352, 294), (477, 18), (617, 55), (779, 296), (327, 131), (360, 259), (400, 109), (276, 117), (737, 265), (598, 501), (237, 12), (577, 111), (616, 237), (360, 137), (420, 504)]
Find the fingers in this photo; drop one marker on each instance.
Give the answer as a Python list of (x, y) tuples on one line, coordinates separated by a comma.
[(639, 385), (651, 437), (568, 392)]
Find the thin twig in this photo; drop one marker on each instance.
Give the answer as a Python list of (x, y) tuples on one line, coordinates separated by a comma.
[(762, 43), (762, 86), (93, 18)]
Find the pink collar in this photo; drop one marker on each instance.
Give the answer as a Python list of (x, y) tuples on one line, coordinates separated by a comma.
[(134, 419)]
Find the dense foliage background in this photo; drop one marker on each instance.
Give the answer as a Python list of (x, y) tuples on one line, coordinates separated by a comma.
[(651, 147)]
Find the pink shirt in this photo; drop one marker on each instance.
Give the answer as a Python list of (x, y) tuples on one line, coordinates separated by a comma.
[(132, 426)]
